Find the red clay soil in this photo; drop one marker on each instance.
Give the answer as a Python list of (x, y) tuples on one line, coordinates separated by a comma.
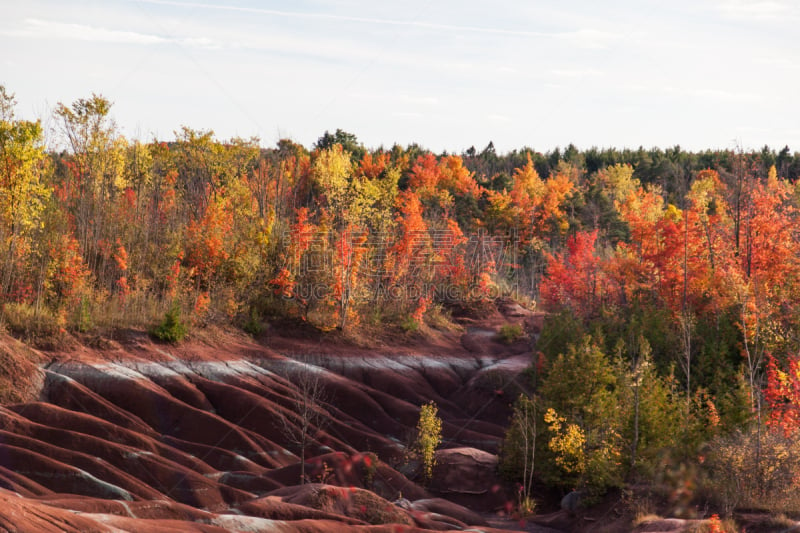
[(141, 436)]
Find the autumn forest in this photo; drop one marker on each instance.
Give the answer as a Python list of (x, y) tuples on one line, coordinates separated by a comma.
[(669, 280)]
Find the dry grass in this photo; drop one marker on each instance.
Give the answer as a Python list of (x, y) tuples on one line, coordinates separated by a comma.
[(640, 504), (782, 522), (736, 479), (641, 519), (37, 327), (714, 525), (139, 311), (438, 317)]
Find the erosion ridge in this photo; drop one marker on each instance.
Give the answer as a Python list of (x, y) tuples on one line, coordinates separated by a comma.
[(200, 437)]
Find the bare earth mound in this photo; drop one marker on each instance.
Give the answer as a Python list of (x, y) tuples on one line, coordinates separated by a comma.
[(149, 437)]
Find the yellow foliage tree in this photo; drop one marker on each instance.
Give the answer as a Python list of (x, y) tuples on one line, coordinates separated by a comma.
[(429, 436), (22, 194)]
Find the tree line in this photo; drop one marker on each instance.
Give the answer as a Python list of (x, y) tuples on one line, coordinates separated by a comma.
[(680, 269)]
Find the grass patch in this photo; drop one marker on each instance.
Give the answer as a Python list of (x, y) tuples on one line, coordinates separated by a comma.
[(510, 333), (441, 318), (38, 327), (25, 320)]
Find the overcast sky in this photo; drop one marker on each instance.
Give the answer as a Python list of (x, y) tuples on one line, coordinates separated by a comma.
[(446, 74)]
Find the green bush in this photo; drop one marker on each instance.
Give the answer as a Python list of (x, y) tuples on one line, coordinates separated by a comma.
[(409, 325), (510, 333), (370, 463), (172, 328), (83, 320), (253, 325)]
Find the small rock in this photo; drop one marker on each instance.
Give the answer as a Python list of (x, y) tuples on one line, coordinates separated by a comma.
[(572, 501)]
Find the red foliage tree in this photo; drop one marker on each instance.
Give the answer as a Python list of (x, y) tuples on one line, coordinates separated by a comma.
[(574, 278)]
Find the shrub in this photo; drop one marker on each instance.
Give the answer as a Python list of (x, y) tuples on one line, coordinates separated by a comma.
[(172, 328), (83, 320), (510, 333), (429, 436), (526, 506), (517, 460), (370, 464), (744, 470), (409, 324), (253, 325)]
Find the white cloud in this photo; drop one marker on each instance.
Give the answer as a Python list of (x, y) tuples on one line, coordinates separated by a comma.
[(780, 63), (419, 100), (50, 29), (507, 70), (349, 18), (82, 32), (712, 94), (407, 114), (494, 117), (590, 38), (758, 9), (576, 73), (583, 38)]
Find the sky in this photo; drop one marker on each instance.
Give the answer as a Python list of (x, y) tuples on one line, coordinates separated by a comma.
[(446, 74)]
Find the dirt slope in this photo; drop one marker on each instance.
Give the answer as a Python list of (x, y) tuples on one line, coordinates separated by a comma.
[(143, 436)]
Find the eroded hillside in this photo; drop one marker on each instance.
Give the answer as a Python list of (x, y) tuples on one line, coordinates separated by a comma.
[(143, 436)]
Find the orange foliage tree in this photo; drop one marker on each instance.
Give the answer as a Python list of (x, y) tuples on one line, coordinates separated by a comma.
[(782, 395)]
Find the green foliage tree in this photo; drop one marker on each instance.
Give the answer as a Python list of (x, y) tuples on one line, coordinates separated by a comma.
[(348, 142), (604, 417), (651, 410), (172, 328), (584, 418)]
